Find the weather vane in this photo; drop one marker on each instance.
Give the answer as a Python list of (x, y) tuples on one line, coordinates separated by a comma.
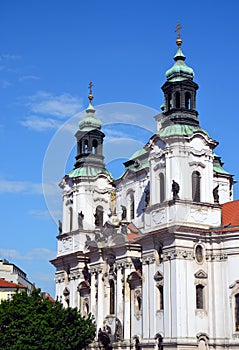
[(90, 96), (178, 29)]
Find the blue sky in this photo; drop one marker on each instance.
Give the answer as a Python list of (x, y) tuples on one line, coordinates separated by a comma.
[(50, 50)]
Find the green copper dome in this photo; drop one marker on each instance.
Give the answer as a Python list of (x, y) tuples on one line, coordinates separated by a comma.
[(180, 71), (179, 130), (90, 121)]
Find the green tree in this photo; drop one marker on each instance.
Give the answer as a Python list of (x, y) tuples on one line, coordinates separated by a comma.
[(30, 322)]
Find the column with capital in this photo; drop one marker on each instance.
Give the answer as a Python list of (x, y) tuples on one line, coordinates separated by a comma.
[(100, 296), (94, 292), (128, 303)]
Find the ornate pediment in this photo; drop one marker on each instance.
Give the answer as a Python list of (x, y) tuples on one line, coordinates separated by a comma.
[(158, 277), (200, 274)]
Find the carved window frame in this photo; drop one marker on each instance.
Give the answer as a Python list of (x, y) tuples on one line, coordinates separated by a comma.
[(84, 292), (159, 279), (135, 284), (199, 260), (201, 279), (235, 322)]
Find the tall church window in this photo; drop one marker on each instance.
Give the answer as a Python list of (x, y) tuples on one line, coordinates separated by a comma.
[(161, 187), (71, 218), (188, 100), (112, 297), (196, 183), (85, 146), (177, 99), (79, 147), (237, 312), (169, 102), (99, 215), (131, 206), (160, 288), (94, 146), (199, 296)]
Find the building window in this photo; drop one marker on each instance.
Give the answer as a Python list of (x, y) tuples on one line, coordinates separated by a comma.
[(188, 100), (160, 288), (161, 187), (196, 183), (71, 218), (237, 312), (131, 206), (199, 296), (99, 214), (169, 102), (112, 297), (79, 147), (177, 99), (199, 253), (85, 146), (94, 146)]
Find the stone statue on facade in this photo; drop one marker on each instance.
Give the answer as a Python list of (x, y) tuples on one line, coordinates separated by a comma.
[(60, 226), (98, 217), (215, 194), (124, 212), (80, 220), (104, 338), (175, 190)]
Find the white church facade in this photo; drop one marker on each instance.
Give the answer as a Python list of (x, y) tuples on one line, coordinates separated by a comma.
[(151, 255)]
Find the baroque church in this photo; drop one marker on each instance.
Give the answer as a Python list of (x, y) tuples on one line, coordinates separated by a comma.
[(154, 254)]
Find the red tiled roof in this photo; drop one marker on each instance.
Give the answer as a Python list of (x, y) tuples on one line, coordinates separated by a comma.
[(47, 296), (230, 213), (7, 284)]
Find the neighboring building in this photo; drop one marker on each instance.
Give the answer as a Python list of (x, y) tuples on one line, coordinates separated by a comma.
[(14, 274), (153, 255), (7, 289)]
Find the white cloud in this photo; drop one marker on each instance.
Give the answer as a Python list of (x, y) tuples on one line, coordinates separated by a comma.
[(28, 77), (8, 57), (10, 254), (36, 253), (6, 84), (40, 253), (26, 187), (40, 123), (44, 214), (60, 106)]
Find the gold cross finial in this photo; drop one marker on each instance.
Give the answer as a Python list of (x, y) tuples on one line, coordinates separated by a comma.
[(90, 96), (178, 29)]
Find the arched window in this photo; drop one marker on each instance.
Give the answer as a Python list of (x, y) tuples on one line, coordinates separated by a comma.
[(237, 312), (131, 206), (169, 102), (161, 187), (112, 297), (177, 99), (85, 146), (79, 147), (160, 288), (188, 100), (99, 215), (199, 296), (196, 183), (71, 218), (94, 146)]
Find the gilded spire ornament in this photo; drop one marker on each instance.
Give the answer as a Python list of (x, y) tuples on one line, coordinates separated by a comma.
[(90, 96), (178, 29)]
